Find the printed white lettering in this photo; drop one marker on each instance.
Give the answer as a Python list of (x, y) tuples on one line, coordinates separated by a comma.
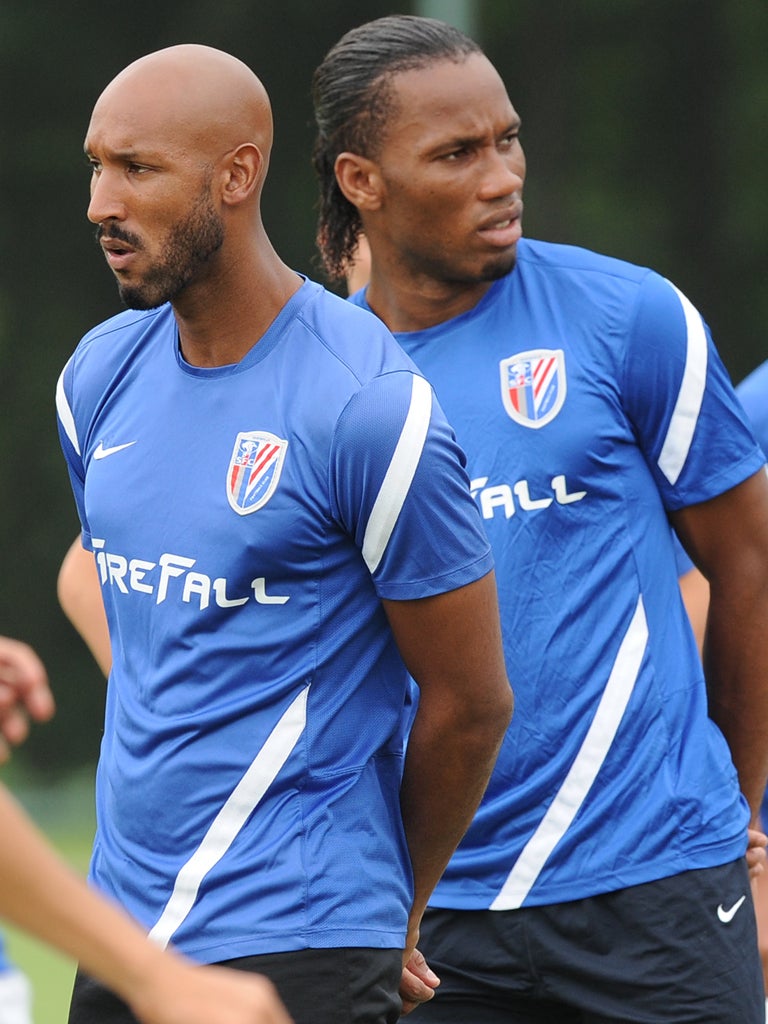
[(171, 565), (220, 590), (502, 496), (561, 491), (260, 593), (117, 567), (144, 577), (497, 497), (197, 583), (101, 562), (527, 503), (138, 569)]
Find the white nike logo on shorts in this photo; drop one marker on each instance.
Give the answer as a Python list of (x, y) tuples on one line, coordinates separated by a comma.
[(102, 452), (728, 915)]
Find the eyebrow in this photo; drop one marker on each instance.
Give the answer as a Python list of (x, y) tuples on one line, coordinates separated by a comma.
[(126, 155), (471, 140)]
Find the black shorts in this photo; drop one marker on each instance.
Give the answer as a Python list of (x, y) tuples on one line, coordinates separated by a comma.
[(318, 986), (682, 949)]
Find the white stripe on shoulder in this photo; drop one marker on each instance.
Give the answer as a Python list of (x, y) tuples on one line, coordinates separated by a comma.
[(584, 769), (232, 817), (688, 406), (399, 475), (65, 413)]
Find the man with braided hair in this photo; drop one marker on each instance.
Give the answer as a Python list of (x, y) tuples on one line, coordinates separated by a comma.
[(604, 877)]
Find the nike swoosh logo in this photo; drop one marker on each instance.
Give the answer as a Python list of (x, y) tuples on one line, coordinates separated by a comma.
[(102, 452), (728, 915)]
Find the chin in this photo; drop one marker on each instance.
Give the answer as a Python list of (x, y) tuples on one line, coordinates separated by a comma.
[(135, 298), (498, 267)]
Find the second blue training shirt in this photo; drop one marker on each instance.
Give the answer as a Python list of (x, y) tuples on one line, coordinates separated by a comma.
[(591, 402)]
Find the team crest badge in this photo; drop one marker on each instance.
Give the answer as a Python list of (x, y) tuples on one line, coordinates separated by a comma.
[(254, 470), (533, 386)]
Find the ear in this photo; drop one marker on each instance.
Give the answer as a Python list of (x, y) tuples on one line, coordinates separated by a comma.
[(242, 173), (359, 180)]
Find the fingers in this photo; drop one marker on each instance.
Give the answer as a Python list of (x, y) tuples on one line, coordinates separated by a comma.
[(756, 852), (24, 692), (418, 982)]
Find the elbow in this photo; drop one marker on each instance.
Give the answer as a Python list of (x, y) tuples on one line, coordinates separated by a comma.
[(505, 710), (493, 716)]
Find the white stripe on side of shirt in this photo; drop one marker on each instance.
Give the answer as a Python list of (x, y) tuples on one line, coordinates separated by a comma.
[(399, 475), (232, 817), (65, 413), (584, 769), (677, 443)]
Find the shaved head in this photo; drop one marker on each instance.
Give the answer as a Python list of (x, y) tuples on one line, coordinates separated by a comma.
[(195, 97), (179, 143)]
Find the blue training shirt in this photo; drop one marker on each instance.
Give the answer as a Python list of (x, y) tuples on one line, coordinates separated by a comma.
[(590, 400), (246, 522)]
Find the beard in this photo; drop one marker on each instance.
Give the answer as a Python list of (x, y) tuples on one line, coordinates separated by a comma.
[(189, 246)]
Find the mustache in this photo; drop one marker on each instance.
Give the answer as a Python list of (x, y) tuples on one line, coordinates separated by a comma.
[(115, 233)]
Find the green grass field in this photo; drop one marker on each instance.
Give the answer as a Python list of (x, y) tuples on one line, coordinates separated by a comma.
[(65, 815)]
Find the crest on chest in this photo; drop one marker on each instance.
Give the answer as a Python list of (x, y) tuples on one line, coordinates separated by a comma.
[(533, 386), (254, 470)]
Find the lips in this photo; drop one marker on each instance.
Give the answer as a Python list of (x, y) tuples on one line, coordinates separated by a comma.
[(117, 252), (502, 219), (503, 228)]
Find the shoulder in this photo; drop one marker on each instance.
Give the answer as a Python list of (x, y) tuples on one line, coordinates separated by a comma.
[(112, 342), (352, 338), (107, 351), (585, 280), (128, 324), (555, 257)]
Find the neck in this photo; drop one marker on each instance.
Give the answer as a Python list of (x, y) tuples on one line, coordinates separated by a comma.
[(414, 306), (221, 318)]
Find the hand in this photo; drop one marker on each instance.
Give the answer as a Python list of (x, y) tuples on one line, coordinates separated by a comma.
[(24, 693), (756, 854), (190, 994), (418, 982)]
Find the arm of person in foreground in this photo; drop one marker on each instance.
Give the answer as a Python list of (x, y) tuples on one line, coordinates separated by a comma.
[(451, 645), (695, 592), (79, 595), (727, 538), (24, 693), (39, 893)]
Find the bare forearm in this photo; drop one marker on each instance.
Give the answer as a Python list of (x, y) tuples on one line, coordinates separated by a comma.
[(451, 644), (39, 893), (736, 667), (446, 772)]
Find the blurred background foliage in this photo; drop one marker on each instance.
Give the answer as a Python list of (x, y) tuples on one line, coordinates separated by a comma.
[(644, 127)]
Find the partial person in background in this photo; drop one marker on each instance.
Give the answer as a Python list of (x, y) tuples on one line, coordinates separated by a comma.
[(24, 693), (269, 592), (753, 394), (40, 894), (15, 991), (604, 876), (79, 594)]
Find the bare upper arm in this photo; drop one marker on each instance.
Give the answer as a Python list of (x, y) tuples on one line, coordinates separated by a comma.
[(452, 642), (729, 532)]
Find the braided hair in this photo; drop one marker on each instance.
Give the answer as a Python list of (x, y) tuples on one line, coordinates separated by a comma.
[(353, 100)]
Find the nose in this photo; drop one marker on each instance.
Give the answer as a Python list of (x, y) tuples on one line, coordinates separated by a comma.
[(106, 202), (503, 174)]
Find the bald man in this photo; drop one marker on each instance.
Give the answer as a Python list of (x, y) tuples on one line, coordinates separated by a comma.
[(284, 536)]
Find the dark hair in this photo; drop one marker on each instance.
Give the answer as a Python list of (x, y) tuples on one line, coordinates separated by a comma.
[(352, 95)]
